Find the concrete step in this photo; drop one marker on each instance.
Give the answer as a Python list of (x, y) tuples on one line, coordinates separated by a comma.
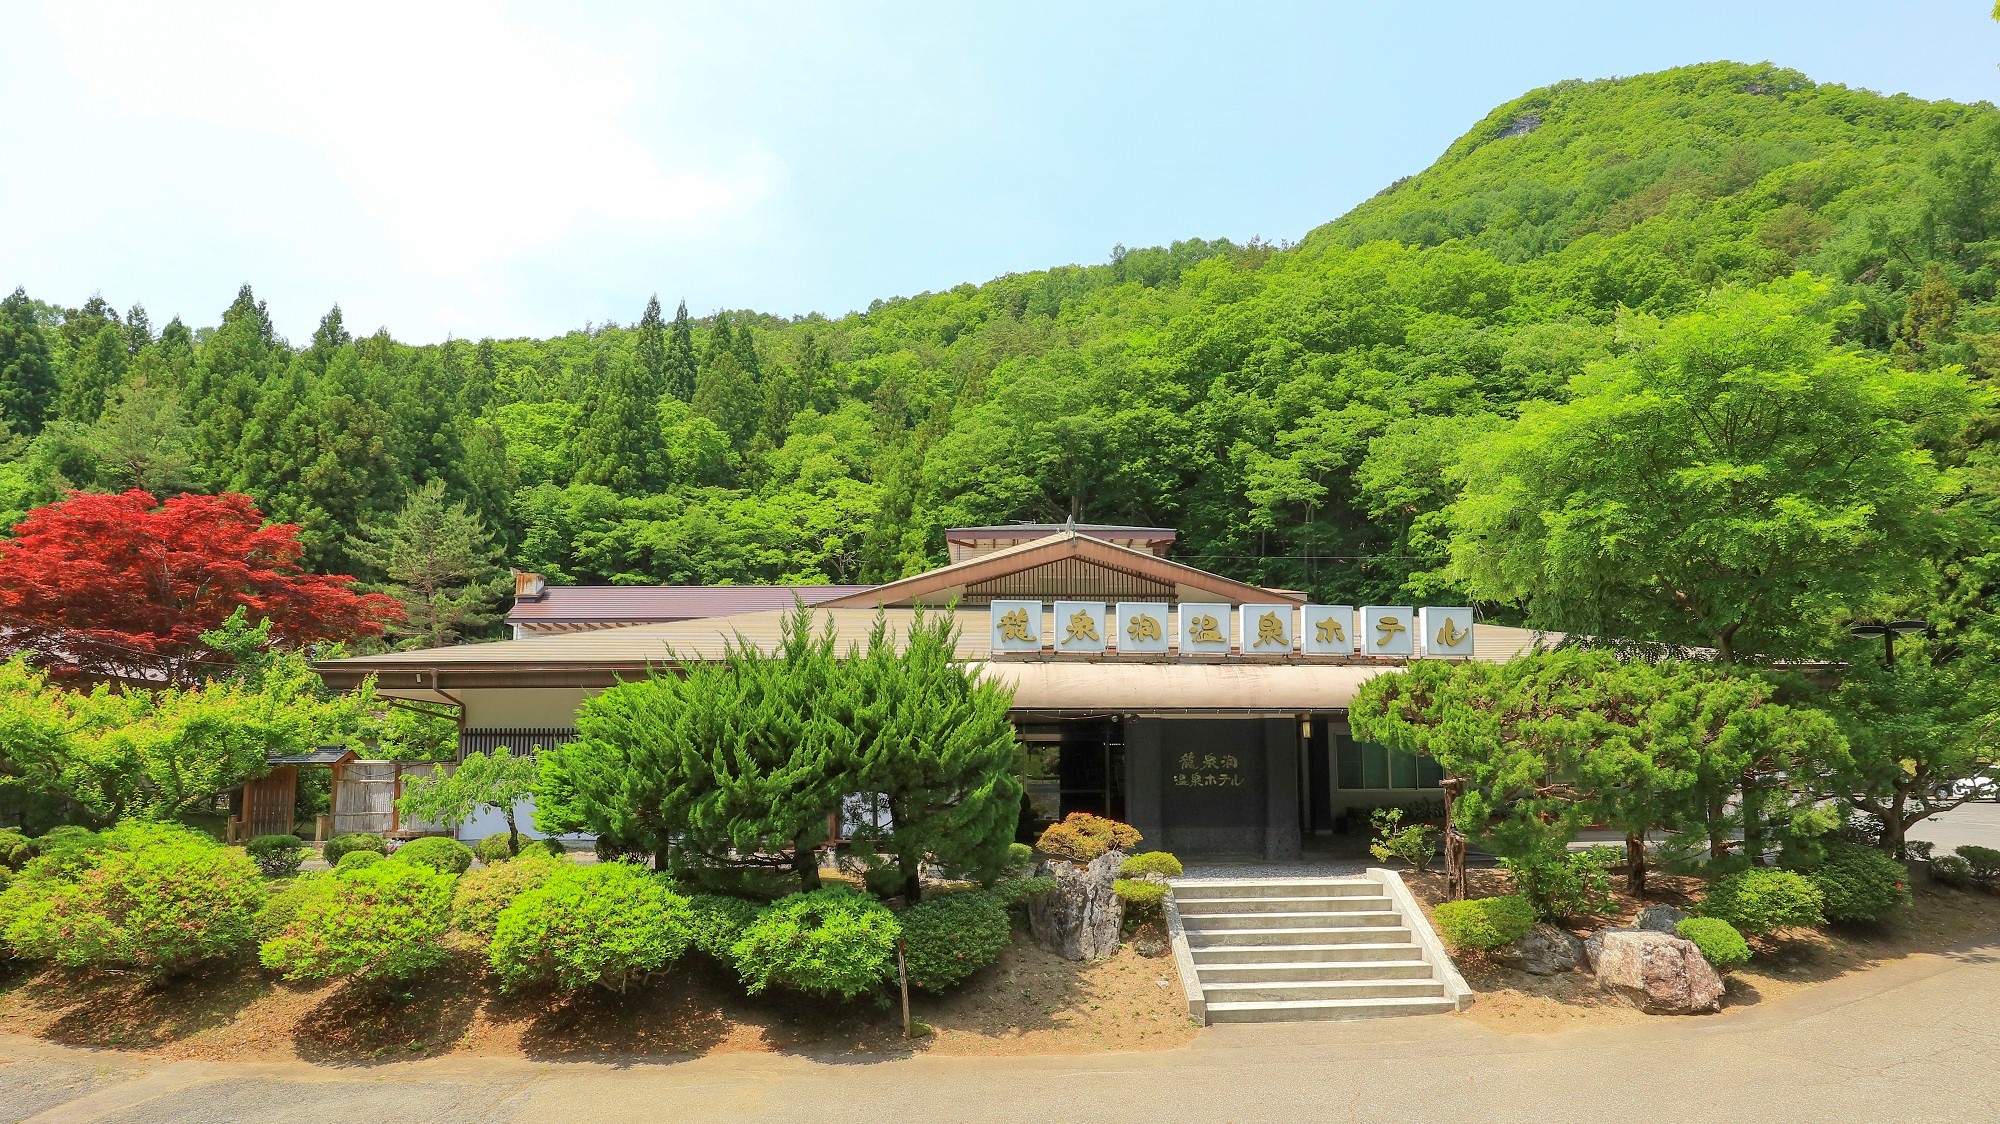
[(1350, 953), (1319, 919), (1306, 971), (1187, 891), (1349, 903), (1303, 1010), (1314, 935), (1279, 991)]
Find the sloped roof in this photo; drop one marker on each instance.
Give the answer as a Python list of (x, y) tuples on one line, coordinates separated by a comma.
[(647, 604)]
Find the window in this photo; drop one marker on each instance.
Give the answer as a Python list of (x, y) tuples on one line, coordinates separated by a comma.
[(1364, 765)]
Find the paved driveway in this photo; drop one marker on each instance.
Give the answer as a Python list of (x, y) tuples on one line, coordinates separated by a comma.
[(1977, 822), (1911, 1041)]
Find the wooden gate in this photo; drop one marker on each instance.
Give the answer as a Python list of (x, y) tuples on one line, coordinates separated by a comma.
[(365, 795), (268, 802)]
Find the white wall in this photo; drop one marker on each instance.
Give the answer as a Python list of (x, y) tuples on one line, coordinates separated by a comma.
[(489, 821)]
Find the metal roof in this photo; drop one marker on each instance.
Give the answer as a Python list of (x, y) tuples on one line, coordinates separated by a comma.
[(324, 755), (647, 604)]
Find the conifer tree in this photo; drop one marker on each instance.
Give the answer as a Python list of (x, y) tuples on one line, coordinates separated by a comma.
[(230, 369), (619, 442), (440, 563), (138, 329), (681, 362), (27, 372), (94, 372), (142, 441), (727, 395), (480, 381), (651, 350)]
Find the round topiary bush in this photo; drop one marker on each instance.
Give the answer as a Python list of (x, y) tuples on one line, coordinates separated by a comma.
[(590, 926), (383, 921), (1720, 944), (494, 849), (1081, 837), (283, 906), (1950, 870), (69, 845), (483, 894), (1152, 862), (277, 856), (1860, 884), (949, 937), (151, 897), (831, 941), (15, 850), (1983, 862), (355, 860), (1142, 898), (718, 922), (1484, 924), (446, 856), (1760, 901), (341, 845)]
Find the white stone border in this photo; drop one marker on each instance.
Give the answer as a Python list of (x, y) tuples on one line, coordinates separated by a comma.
[(1184, 959), (1455, 988)]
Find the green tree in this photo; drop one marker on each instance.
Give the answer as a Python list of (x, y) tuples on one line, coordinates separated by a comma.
[(142, 441), (94, 373), (440, 564), (681, 364), (937, 751), (27, 372), (1735, 481), (618, 437), (499, 780), (650, 348)]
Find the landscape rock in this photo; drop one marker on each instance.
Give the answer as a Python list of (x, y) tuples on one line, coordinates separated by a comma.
[(1150, 947), (1659, 974), (1080, 918), (1593, 945), (1661, 919), (1546, 950)]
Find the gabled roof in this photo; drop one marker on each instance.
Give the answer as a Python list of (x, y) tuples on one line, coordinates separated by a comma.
[(1068, 556)]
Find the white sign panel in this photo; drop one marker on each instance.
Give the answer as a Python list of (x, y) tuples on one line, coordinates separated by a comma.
[(1142, 627), (1266, 630), (1446, 631), (1015, 626), (1204, 629), (1079, 626), (1387, 630), (1327, 630)]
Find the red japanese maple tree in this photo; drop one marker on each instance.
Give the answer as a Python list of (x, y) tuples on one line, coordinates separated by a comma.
[(123, 586)]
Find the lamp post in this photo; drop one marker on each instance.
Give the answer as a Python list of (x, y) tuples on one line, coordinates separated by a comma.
[(1888, 631)]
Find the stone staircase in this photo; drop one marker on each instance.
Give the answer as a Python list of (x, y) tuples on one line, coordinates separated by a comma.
[(1273, 950)]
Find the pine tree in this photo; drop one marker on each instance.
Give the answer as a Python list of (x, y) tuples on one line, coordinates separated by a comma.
[(138, 329), (27, 372), (142, 441), (95, 370), (231, 367), (651, 349), (681, 363), (441, 564), (480, 381), (727, 395), (619, 443)]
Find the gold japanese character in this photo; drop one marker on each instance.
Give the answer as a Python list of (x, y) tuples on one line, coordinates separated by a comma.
[(1451, 636), (1208, 760), (1205, 629), (1270, 630), (1388, 627), (1229, 761), (1082, 626), (1329, 631), (1187, 760), (1143, 626), (1014, 626)]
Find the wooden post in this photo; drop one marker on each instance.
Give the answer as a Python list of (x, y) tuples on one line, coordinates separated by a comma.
[(903, 983)]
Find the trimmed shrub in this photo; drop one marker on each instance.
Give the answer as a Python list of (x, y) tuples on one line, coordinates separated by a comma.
[(830, 941), (282, 907), (718, 923), (69, 846), (948, 937), (1566, 883), (1860, 884), (1720, 944), (1152, 862), (1760, 901), (1983, 862), (151, 897), (482, 895), (15, 850), (355, 860), (278, 856), (341, 845), (1020, 857), (1081, 837), (590, 926), (494, 849), (383, 921), (446, 856), (1014, 892), (1951, 870), (1142, 898), (1484, 923)]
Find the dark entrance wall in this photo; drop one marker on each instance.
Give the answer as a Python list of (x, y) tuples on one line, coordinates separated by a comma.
[(1215, 787)]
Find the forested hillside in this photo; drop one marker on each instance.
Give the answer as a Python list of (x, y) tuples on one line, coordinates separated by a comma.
[(1292, 410)]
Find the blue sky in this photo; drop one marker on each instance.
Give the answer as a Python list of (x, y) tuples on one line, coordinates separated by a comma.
[(490, 169)]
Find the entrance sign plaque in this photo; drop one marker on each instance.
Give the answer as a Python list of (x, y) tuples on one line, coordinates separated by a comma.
[(1446, 631), (1204, 629), (1265, 630), (1327, 630), (1388, 630), (1015, 626), (1080, 627), (1142, 628)]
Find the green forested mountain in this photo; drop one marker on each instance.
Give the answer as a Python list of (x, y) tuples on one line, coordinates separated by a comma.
[(1291, 409)]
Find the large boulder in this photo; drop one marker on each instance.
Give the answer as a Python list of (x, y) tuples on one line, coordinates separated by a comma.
[(1659, 974), (1660, 919), (1080, 918), (1544, 951)]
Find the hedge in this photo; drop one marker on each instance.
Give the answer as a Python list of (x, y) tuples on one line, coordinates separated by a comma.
[(830, 941), (948, 937), (590, 926), (1484, 923)]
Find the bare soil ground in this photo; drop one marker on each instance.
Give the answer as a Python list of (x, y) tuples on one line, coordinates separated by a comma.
[(1029, 1002), (1791, 960)]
